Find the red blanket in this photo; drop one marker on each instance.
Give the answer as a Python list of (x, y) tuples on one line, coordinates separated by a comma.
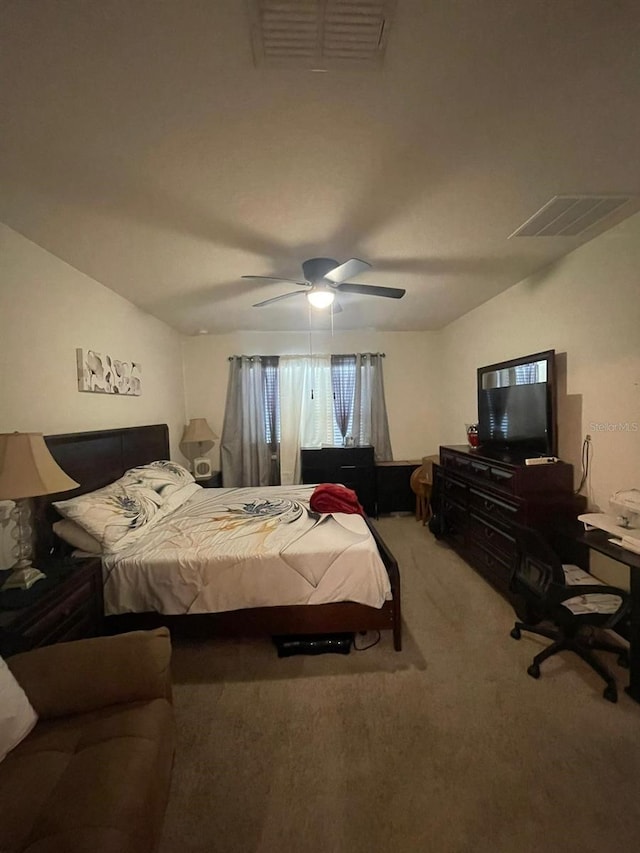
[(332, 497)]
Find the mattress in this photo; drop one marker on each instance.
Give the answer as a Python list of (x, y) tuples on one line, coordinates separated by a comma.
[(229, 549)]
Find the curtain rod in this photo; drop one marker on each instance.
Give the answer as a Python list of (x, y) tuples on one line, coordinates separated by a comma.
[(305, 355)]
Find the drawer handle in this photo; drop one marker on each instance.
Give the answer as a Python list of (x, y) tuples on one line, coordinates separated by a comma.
[(489, 533), (489, 505)]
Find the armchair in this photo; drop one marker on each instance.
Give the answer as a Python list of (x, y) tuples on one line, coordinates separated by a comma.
[(560, 601)]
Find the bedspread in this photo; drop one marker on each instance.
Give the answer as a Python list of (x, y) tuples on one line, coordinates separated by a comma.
[(228, 549)]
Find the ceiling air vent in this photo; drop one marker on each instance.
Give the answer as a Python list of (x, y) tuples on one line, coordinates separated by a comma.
[(570, 215), (320, 34)]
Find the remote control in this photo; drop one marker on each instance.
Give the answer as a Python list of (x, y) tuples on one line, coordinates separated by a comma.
[(541, 460)]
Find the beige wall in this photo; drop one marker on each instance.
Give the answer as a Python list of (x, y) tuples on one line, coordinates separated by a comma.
[(47, 309), (411, 372), (587, 308)]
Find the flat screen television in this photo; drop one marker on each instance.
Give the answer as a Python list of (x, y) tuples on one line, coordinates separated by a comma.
[(517, 405)]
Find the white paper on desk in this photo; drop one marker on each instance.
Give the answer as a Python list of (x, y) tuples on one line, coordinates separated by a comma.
[(602, 521)]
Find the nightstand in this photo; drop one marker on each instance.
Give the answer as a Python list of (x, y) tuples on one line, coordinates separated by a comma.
[(66, 605), (214, 481)]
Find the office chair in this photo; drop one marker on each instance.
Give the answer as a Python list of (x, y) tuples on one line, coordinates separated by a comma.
[(569, 598)]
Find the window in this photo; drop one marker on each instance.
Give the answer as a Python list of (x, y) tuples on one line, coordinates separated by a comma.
[(271, 400), (278, 404)]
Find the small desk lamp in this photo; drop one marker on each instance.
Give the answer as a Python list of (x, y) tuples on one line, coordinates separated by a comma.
[(27, 469), (199, 433)]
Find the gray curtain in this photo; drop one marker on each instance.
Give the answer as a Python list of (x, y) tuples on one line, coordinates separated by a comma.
[(245, 455), (370, 423)]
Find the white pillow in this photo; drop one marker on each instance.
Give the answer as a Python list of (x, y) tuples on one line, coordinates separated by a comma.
[(163, 477), (77, 536), (111, 513), (17, 717)]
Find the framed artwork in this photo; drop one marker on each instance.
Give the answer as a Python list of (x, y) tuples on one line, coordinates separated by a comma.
[(103, 374)]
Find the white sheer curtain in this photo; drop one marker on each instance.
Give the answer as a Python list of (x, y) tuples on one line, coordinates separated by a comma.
[(306, 409), (245, 455), (370, 423)]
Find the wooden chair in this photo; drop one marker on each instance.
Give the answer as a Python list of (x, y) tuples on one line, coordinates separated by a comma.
[(419, 487), (421, 484)]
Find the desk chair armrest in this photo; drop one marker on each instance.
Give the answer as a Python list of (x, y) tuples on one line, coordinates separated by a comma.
[(569, 592)]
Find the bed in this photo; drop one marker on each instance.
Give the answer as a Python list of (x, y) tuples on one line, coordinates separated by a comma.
[(98, 458)]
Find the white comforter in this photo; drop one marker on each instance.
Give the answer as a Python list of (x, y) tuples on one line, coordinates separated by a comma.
[(228, 549)]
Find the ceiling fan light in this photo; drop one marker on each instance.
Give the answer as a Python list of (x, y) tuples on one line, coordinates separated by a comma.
[(321, 297)]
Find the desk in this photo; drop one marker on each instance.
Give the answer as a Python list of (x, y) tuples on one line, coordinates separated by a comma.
[(598, 540)]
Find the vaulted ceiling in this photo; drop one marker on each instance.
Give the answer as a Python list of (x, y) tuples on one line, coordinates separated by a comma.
[(143, 145)]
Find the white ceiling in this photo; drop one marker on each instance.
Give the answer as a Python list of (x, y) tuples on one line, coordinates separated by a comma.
[(142, 146)]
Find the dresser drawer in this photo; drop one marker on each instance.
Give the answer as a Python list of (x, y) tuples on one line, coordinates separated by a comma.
[(494, 567), (491, 538), (455, 491), (497, 509), (68, 606), (490, 472), (455, 521), (482, 470), (42, 622)]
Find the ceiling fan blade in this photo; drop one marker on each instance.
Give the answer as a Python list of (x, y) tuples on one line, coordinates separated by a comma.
[(276, 278), (372, 290), (349, 268), (278, 298)]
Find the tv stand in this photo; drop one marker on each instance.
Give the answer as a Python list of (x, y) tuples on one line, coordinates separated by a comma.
[(480, 496)]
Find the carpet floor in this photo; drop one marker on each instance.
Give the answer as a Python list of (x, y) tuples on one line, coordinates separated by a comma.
[(446, 746)]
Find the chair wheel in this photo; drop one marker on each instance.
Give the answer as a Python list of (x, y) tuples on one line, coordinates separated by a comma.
[(534, 670), (515, 633), (623, 660), (610, 693)]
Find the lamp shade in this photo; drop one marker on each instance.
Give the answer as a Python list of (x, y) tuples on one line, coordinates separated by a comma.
[(199, 432), (320, 297), (28, 469)]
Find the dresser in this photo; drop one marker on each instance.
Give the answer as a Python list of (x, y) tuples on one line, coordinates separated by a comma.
[(66, 605), (479, 498), (354, 467)]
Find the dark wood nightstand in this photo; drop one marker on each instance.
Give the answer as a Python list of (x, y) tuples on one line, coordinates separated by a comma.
[(66, 605), (214, 481), (351, 466)]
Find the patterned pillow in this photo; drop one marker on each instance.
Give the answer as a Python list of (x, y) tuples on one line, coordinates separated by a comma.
[(162, 477), (111, 513)]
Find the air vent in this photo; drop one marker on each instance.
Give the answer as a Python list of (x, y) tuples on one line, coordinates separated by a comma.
[(320, 34), (570, 215)]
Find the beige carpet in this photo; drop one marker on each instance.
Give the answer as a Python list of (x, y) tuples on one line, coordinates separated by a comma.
[(447, 746)]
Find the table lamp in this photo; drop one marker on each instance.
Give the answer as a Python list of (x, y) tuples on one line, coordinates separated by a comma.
[(199, 434), (27, 469)]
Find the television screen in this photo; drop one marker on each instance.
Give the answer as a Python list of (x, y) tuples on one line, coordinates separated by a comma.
[(515, 404)]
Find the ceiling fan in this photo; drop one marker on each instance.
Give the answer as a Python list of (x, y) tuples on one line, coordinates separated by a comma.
[(323, 277)]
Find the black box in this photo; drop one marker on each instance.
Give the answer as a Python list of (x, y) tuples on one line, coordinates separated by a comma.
[(313, 644)]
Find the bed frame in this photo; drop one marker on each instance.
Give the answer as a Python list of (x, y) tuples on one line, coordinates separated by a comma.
[(97, 458)]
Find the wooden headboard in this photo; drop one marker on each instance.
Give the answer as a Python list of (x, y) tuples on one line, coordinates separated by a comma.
[(95, 459)]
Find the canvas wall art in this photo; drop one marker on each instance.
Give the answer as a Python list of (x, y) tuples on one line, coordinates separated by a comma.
[(104, 374)]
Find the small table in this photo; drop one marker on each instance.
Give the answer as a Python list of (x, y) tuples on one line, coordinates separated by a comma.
[(598, 540), (66, 605), (212, 482)]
